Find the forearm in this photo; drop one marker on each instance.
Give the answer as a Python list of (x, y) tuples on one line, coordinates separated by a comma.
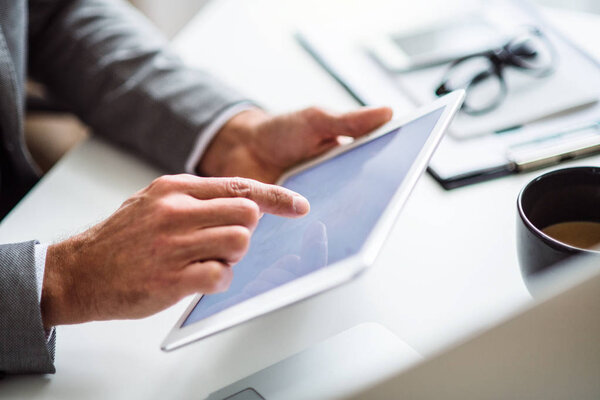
[(106, 62)]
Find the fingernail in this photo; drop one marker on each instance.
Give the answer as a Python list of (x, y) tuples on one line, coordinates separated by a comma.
[(301, 205)]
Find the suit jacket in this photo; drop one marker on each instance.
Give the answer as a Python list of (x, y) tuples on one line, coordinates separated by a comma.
[(104, 61)]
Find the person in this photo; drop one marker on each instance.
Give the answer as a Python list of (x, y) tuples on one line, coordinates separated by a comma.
[(180, 235)]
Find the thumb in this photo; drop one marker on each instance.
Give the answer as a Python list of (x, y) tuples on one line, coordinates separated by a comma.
[(360, 122)]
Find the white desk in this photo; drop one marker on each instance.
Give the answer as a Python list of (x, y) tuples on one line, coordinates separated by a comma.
[(448, 269)]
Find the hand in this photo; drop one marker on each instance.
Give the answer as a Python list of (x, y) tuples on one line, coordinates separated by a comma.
[(178, 236), (256, 145)]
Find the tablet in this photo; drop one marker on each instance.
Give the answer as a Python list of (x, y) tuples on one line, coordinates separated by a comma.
[(356, 193)]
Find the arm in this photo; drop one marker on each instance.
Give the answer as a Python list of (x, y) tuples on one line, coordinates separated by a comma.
[(113, 69), (24, 347), (106, 62), (180, 235)]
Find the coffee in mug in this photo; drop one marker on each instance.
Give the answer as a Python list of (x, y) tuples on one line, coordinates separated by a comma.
[(558, 217), (581, 234)]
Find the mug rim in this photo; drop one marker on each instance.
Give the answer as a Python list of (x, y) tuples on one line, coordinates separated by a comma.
[(547, 238)]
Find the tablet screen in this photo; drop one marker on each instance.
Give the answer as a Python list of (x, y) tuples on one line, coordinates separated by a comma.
[(347, 195)]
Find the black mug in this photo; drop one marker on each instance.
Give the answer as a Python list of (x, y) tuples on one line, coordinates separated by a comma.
[(565, 195)]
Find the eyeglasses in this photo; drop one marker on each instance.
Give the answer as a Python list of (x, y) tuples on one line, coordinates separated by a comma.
[(482, 74)]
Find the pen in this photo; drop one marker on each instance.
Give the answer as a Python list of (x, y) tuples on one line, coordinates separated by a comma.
[(566, 144)]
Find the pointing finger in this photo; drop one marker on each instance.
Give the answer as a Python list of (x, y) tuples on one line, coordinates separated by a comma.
[(271, 199)]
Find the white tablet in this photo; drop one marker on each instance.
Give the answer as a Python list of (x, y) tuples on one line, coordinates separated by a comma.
[(356, 193)]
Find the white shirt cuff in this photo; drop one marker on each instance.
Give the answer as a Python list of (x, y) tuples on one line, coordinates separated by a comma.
[(40, 251), (40, 266), (208, 133)]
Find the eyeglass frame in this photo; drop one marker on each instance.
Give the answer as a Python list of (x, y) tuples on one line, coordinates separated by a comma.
[(500, 58)]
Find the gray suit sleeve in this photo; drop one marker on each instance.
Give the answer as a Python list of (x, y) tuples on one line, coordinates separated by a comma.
[(106, 62), (23, 344)]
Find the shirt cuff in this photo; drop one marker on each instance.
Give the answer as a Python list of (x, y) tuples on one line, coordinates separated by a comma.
[(208, 133), (40, 251)]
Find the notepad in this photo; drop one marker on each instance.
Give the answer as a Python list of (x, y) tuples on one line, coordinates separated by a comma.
[(572, 85), (473, 156)]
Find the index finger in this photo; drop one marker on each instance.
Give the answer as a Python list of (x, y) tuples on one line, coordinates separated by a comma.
[(271, 199)]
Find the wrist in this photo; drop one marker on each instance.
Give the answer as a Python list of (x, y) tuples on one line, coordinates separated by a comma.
[(59, 303), (235, 137)]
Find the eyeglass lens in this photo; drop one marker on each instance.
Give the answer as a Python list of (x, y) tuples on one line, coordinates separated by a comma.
[(477, 75)]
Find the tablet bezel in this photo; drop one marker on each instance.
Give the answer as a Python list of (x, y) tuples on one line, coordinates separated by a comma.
[(342, 271)]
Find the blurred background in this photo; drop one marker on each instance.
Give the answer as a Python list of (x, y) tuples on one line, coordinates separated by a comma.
[(581, 5), (171, 15), (50, 132)]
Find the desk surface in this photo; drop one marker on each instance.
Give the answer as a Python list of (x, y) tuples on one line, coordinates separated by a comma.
[(448, 269)]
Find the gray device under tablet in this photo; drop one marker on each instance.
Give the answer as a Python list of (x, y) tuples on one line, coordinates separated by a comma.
[(550, 349), (356, 193)]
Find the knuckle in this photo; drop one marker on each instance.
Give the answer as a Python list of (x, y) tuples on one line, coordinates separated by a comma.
[(239, 241), (249, 210), (163, 180), (215, 274), (314, 112), (217, 277), (240, 237), (160, 184), (170, 207), (317, 117), (239, 187), (167, 207), (167, 182)]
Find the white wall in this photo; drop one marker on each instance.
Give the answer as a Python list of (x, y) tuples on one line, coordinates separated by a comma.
[(582, 5)]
